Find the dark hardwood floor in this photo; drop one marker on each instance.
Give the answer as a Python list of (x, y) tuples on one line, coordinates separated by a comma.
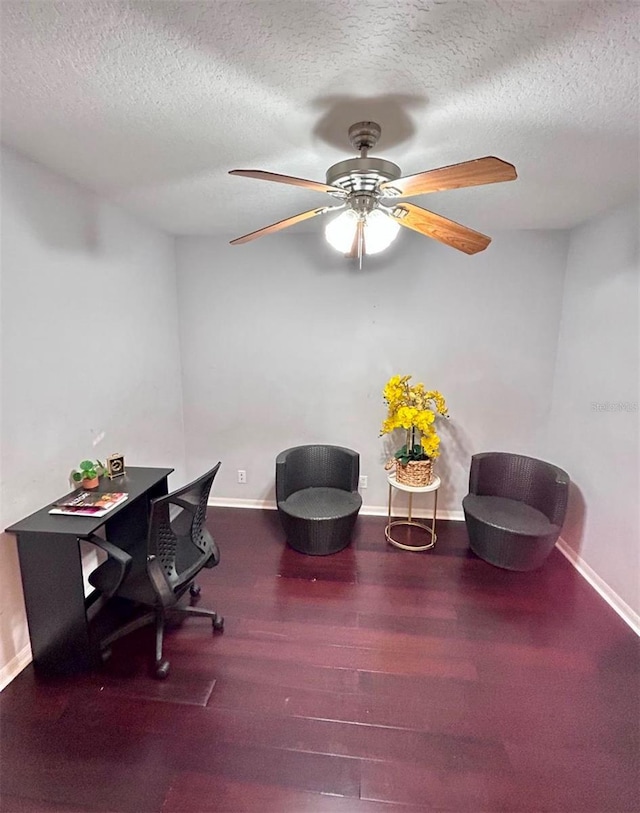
[(370, 681)]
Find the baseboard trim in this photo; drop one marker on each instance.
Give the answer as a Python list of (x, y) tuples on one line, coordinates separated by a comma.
[(366, 510), (15, 666), (626, 613), (233, 502)]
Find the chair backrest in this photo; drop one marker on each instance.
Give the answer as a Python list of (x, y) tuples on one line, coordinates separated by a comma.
[(316, 465), (518, 477), (178, 539)]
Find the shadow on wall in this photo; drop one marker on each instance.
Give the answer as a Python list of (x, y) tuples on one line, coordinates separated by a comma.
[(269, 495), (573, 530), (455, 459)]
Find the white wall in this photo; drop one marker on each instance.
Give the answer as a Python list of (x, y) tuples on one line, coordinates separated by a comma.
[(285, 342), (89, 345), (594, 420)]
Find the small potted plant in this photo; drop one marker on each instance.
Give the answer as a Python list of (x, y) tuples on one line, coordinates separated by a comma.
[(413, 409), (88, 473)]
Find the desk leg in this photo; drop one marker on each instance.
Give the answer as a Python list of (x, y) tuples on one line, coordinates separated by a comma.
[(51, 570)]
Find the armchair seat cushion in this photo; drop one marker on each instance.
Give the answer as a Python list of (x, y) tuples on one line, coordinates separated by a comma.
[(509, 515), (321, 503)]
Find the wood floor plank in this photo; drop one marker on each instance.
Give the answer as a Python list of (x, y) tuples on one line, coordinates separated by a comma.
[(245, 727), (255, 764), (386, 634), (22, 804), (418, 660), (134, 678), (94, 768), (370, 598), (210, 794), (491, 720), (278, 672), (25, 699), (403, 783)]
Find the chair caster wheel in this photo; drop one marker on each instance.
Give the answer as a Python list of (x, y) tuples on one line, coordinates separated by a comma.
[(162, 670), (218, 623), (105, 654), (194, 591)]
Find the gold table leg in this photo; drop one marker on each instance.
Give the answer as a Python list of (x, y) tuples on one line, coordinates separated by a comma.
[(409, 521)]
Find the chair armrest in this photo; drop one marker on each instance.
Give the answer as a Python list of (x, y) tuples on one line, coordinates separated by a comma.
[(117, 554), (283, 486), (558, 505), (188, 506), (480, 478)]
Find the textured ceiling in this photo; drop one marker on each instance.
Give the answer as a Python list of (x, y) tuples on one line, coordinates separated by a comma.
[(151, 103)]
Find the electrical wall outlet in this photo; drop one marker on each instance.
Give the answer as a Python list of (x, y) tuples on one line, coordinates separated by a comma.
[(364, 481), (242, 476)]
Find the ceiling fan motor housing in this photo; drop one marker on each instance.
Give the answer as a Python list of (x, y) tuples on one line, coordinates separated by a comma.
[(362, 174), (361, 177)]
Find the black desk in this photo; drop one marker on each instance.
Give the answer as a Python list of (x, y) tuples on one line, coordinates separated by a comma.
[(60, 619)]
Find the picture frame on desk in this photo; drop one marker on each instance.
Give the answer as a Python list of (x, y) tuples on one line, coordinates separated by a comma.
[(115, 466)]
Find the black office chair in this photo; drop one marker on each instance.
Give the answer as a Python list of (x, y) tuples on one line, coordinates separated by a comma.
[(178, 547)]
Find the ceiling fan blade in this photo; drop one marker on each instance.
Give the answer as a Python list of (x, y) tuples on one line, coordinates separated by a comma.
[(289, 179), (440, 228), (283, 224), (469, 173)]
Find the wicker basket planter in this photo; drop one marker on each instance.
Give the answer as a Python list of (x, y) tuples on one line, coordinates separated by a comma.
[(416, 473)]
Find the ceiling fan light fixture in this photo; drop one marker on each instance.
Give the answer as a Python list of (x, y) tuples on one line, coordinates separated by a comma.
[(340, 231), (379, 231)]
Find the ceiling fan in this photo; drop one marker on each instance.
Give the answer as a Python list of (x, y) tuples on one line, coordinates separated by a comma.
[(366, 189)]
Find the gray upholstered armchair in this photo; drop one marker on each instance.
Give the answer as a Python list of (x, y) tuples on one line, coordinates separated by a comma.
[(317, 496), (515, 509)]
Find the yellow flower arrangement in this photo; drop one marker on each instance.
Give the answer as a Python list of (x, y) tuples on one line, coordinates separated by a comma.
[(414, 409)]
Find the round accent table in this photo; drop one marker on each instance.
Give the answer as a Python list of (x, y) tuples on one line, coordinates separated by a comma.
[(430, 529)]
